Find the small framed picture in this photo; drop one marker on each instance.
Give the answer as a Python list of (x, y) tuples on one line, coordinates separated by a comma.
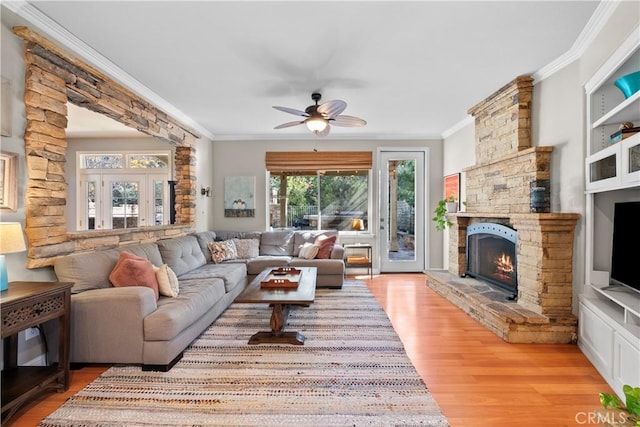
[(8, 181), (239, 196), (452, 186)]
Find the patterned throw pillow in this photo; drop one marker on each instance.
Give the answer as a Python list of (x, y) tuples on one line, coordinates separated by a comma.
[(325, 246), (132, 270), (247, 248), (222, 251), (309, 251), (167, 281)]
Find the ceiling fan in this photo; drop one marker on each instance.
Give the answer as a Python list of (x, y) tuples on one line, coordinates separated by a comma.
[(320, 117)]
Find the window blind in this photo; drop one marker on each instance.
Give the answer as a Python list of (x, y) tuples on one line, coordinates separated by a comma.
[(299, 161)]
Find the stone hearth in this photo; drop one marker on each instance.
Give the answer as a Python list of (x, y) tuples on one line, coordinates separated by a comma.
[(498, 190)]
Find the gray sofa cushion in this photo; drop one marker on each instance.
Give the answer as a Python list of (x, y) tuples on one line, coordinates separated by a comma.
[(231, 273), (325, 266), (182, 254), (277, 243), (149, 251), (91, 270), (174, 315), (226, 235), (75, 268), (256, 265), (204, 238)]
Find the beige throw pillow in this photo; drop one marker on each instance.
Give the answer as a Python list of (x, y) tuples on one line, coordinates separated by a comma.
[(309, 251), (167, 281), (222, 251), (247, 248)]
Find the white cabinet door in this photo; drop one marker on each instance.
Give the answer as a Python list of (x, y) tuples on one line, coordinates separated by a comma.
[(596, 340), (626, 365)]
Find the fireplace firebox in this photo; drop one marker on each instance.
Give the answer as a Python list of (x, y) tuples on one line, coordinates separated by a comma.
[(491, 255)]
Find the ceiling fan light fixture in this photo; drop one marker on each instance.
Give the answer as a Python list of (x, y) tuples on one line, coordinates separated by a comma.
[(316, 124)]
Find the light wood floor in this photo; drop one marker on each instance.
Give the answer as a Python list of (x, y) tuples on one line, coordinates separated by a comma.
[(476, 378)]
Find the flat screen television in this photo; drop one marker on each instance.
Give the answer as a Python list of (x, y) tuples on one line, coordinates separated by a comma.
[(625, 255)]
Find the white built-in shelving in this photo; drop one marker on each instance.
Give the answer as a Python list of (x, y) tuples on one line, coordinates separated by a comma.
[(609, 327)]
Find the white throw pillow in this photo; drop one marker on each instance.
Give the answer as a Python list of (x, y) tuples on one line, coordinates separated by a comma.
[(167, 281), (309, 251)]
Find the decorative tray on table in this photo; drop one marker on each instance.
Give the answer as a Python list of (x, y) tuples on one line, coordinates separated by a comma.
[(282, 278)]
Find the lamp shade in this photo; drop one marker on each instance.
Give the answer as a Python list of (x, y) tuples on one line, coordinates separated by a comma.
[(357, 224), (11, 238)]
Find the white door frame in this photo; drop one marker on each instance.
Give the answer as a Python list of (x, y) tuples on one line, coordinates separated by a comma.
[(421, 247)]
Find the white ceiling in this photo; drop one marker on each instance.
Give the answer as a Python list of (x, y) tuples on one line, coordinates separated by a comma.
[(411, 69)]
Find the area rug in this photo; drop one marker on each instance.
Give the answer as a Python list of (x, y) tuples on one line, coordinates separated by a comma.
[(352, 370)]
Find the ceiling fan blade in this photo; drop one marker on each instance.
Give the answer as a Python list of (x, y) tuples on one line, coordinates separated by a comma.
[(348, 121), (330, 109), (288, 125), (291, 111), (324, 132)]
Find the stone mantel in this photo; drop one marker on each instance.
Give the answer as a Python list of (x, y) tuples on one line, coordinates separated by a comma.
[(521, 217)]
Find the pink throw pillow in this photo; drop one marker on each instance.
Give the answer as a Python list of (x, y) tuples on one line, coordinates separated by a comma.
[(132, 270), (325, 246)]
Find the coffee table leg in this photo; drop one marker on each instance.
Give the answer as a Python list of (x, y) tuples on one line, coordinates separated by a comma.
[(278, 315)]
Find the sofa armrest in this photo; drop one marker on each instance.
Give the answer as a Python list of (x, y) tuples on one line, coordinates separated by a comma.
[(107, 324), (337, 252)]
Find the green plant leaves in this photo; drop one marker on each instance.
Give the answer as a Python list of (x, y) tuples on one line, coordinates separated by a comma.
[(610, 401), (633, 398)]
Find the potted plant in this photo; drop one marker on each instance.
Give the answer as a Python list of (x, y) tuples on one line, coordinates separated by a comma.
[(628, 415), (445, 206)]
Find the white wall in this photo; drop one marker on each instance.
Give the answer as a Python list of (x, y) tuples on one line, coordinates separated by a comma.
[(12, 68), (459, 153)]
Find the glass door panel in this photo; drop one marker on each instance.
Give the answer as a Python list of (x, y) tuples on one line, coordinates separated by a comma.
[(125, 211), (401, 212)]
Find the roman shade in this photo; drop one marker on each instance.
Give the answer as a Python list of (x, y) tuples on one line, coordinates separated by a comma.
[(299, 161)]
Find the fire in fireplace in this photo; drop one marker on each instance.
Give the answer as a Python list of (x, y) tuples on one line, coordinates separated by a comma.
[(491, 255)]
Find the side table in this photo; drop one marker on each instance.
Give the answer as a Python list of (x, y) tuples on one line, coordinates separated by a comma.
[(355, 257), (22, 306)]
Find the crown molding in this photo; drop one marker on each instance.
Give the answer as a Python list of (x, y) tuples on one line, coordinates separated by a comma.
[(85, 52), (455, 128), (598, 19), (331, 137)]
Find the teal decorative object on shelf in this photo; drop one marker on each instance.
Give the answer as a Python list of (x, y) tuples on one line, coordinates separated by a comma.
[(629, 84)]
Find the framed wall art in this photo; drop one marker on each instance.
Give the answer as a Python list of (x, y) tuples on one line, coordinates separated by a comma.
[(239, 196), (8, 181), (452, 186)]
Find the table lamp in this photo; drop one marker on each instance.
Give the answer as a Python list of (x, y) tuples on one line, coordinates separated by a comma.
[(11, 240), (357, 224)]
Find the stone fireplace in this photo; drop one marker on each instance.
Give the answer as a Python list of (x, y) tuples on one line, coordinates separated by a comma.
[(491, 255), (538, 308)]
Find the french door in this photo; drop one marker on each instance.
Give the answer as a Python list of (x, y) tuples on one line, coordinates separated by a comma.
[(402, 216)]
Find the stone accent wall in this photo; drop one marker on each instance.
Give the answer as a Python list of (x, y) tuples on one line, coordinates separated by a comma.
[(53, 78), (503, 186), (503, 121), (498, 190)]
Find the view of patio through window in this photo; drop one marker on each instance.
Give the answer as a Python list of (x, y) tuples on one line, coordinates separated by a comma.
[(123, 190), (320, 200)]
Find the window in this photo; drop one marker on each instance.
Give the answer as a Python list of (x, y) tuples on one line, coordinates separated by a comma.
[(122, 190), (337, 200)]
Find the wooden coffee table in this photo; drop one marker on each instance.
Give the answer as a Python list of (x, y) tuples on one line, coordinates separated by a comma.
[(281, 300)]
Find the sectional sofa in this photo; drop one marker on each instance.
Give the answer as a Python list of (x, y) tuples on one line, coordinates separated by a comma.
[(133, 324)]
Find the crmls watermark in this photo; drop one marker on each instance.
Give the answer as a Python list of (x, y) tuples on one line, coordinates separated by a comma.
[(600, 417)]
